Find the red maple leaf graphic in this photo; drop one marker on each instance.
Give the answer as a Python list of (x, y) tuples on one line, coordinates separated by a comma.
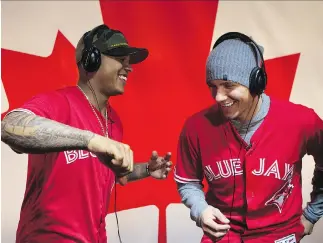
[(161, 93), (281, 73), (26, 75), (170, 85), (165, 89)]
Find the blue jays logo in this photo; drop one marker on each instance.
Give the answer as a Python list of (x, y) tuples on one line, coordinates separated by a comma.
[(280, 197)]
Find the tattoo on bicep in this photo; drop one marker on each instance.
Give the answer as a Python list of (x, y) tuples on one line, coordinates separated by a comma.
[(35, 134)]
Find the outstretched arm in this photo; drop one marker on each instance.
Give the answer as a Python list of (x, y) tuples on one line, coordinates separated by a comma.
[(157, 167), (29, 133), (139, 172)]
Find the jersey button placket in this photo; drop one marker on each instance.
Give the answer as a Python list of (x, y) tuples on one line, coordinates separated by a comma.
[(250, 195)]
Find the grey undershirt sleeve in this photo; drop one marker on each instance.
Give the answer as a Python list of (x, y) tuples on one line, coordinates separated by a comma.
[(193, 197), (314, 209)]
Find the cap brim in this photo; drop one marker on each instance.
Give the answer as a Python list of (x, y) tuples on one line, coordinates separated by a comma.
[(137, 55)]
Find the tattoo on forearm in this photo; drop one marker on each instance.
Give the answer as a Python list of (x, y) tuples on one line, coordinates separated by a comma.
[(29, 133), (139, 172)]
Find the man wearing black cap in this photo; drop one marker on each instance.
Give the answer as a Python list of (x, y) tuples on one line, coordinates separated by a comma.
[(72, 138)]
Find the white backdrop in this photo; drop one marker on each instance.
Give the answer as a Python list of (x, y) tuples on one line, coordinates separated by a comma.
[(282, 27)]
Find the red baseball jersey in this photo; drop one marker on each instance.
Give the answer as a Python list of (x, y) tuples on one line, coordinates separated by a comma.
[(258, 185), (67, 193)]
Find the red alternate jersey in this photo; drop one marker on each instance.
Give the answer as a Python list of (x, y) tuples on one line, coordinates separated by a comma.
[(67, 193), (258, 185)]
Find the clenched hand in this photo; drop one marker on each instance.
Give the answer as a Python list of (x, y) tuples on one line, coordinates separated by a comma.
[(115, 155), (214, 223)]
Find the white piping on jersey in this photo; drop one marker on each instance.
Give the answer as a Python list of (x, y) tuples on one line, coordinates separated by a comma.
[(184, 180)]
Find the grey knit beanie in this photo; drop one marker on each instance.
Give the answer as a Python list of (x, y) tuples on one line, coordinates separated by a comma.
[(232, 60)]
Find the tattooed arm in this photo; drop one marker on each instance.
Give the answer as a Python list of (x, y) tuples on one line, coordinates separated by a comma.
[(157, 167), (28, 133), (139, 172)]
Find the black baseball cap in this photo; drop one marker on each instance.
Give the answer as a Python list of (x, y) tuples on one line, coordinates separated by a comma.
[(113, 43)]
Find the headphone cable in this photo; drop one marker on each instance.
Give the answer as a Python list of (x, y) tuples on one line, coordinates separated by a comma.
[(115, 209), (241, 144), (115, 181)]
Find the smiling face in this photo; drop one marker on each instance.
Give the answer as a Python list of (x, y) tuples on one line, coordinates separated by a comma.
[(234, 99), (112, 75)]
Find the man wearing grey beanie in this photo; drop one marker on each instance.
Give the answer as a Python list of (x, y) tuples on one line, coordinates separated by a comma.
[(239, 145)]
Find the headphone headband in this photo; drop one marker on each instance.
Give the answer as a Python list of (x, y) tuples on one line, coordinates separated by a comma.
[(91, 55), (246, 39), (88, 36), (258, 76)]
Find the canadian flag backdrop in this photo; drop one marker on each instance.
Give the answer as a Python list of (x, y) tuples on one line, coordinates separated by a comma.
[(38, 44)]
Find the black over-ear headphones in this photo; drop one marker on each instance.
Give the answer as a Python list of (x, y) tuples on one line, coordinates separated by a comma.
[(91, 55), (258, 76)]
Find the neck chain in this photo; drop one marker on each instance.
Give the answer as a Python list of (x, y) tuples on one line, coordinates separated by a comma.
[(104, 131)]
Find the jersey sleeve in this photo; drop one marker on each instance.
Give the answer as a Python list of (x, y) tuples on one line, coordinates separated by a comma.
[(52, 105), (188, 165)]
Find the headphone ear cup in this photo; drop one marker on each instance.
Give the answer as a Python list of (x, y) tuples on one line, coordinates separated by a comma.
[(91, 59), (257, 82), (262, 80)]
